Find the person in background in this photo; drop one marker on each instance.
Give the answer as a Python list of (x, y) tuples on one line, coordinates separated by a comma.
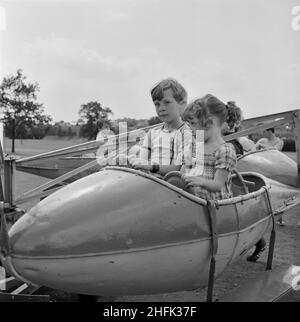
[(232, 125), (270, 140)]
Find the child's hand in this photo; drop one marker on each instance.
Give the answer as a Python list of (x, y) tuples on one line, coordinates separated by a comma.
[(119, 160), (263, 146), (122, 159), (140, 164), (193, 181), (131, 159)]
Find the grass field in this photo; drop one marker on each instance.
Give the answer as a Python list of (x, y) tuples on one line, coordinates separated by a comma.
[(26, 148), (287, 248)]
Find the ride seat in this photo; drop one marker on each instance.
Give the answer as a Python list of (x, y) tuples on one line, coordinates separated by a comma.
[(252, 182)]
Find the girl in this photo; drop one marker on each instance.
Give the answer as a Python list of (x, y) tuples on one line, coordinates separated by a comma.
[(210, 175)]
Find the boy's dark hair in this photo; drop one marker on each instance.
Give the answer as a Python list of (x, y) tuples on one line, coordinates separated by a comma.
[(234, 114), (271, 129), (205, 106), (179, 92)]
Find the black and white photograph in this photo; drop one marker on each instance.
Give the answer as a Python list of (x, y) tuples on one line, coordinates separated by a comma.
[(149, 153)]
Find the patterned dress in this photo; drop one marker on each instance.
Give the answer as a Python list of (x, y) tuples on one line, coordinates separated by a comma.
[(206, 165)]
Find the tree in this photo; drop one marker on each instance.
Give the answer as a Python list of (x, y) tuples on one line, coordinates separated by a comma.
[(19, 108), (95, 117), (70, 132), (154, 120)]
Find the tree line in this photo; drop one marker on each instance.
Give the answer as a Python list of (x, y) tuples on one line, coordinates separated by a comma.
[(24, 118)]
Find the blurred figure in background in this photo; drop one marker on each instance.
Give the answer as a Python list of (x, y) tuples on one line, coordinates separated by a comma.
[(234, 124), (270, 140)]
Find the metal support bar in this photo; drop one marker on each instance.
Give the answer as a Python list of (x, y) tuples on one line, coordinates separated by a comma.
[(1, 190), (272, 236), (4, 297), (57, 180), (97, 162), (4, 239), (256, 128), (9, 171), (38, 195), (267, 118), (1, 165), (297, 143), (87, 145), (1, 150), (214, 248), (290, 204)]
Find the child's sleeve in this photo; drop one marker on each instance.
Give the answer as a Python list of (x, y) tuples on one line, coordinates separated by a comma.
[(226, 157), (183, 148), (146, 146), (261, 141), (279, 145)]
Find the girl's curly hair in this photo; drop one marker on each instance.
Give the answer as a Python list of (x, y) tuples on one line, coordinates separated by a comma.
[(204, 107)]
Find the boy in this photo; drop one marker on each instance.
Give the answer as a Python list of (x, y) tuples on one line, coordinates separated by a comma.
[(270, 140), (162, 149)]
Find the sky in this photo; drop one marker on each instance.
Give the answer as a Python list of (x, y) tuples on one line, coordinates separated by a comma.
[(114, 51)]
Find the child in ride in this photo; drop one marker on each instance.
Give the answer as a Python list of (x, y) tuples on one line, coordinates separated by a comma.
[(210, 171), (162, 148)]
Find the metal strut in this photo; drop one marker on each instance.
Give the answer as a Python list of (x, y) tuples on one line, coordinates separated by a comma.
[(1, 166), (211, 206), (272, 235), (4, 239)]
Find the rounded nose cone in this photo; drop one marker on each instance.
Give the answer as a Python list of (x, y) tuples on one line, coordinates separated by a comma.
[(75, 220), (107, 211), (101, 234)]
